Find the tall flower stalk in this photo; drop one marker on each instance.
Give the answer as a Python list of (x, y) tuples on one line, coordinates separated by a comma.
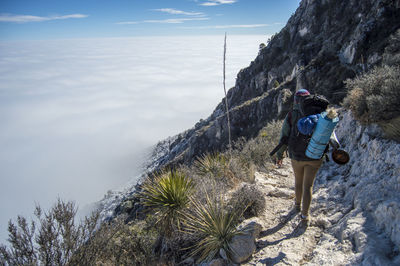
[(226, 102)]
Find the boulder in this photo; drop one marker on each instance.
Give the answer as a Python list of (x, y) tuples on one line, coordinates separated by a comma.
[(243, 245)]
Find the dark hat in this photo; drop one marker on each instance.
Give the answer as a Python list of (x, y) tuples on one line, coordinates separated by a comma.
[(302, 92)]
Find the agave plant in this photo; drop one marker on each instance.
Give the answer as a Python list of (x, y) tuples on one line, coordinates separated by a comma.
[(168, 194), (214, 226)]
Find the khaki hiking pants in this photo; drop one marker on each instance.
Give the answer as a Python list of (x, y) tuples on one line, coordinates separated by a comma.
[(304, 173)]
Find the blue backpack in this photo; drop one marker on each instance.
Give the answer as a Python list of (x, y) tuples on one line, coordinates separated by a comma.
[(310, 107)]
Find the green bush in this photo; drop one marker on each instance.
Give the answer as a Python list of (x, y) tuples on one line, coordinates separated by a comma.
[(118, 243)]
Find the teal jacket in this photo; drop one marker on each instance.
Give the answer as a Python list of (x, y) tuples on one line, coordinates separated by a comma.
[(286, 128)]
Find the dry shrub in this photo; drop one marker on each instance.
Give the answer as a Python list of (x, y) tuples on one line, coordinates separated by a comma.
[(391, 57), (391, 128), (55, 239), (205, 183), (356, 102), (242, 169), (248, 198), (257, 150), (374, 97), (51, 240)]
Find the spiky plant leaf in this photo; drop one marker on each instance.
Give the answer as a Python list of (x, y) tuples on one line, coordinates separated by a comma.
[(214, 225), (168, 194)]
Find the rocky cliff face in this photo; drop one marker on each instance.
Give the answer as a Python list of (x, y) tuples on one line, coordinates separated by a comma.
[(324, 43), (359, 202)]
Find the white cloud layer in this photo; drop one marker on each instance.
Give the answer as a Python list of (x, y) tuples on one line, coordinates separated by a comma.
[(162, 21), (218, 2), (238, 26), (191, 16), (30, 18), (174, 11), (173, 20), (77, 116)]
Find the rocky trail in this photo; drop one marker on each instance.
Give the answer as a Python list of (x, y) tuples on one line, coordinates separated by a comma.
[(284, 239), (355, 210)]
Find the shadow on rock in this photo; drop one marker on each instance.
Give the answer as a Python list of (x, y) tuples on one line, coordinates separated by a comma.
[(273, 261), (297, 231), (283, 221)]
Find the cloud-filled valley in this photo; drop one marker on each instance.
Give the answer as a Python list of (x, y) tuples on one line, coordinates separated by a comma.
[(77, 116)]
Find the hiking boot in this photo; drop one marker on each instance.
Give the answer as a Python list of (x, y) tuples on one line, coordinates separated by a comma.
[(305, 219)]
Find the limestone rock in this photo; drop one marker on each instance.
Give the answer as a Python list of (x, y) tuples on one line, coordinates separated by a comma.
[(254, 229), (243, 246)]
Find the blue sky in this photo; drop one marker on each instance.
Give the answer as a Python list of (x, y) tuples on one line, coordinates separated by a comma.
[(64, 19)]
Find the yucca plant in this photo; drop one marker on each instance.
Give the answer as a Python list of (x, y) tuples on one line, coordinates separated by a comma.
[(215, 164), (168, 194), (242, 168), (213, 225)]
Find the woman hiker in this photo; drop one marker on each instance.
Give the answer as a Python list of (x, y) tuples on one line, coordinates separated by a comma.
[(304, 168)]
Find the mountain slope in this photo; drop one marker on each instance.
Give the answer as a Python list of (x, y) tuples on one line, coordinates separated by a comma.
[(324, 43)]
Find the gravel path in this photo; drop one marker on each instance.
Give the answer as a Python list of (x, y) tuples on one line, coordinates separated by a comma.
[(285, 240)]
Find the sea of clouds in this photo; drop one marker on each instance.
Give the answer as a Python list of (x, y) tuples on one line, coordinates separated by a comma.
[(78, 116)]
